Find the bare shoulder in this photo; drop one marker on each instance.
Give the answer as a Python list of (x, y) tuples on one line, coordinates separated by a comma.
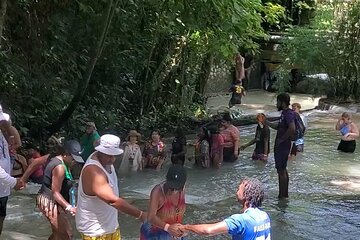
[(157, 192), (92, 169), (93, 172), (157, 195)]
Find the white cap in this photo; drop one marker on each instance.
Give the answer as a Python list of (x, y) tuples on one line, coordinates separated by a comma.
[(110, 145)]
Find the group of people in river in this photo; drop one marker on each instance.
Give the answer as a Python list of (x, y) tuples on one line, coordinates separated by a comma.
[(94, 200)]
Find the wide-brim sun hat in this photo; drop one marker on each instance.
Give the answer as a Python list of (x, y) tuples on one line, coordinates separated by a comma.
[(109, 145), (133, 133)]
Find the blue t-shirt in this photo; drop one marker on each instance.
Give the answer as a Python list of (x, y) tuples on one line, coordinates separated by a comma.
[(253, 224)]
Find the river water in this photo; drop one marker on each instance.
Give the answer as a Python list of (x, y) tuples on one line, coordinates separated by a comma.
[(324, 191)]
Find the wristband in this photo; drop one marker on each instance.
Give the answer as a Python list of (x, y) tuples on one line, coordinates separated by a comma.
[(141, 213), (166, 227), (68, 207)]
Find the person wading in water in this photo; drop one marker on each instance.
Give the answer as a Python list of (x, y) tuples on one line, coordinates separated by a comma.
[(349, 131), (262, 140), (167, 207), (53, 198), (253, 223), (285, 131), (231, 137), (98, 194)]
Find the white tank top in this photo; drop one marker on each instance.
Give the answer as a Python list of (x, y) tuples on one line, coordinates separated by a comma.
[(5, 163), (94, 217)]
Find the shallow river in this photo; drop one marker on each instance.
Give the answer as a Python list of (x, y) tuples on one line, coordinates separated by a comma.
[(324, 190)]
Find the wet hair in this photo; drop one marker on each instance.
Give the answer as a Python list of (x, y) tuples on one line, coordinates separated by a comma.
[(296, 105), (346, 115), (214, 129), (253, 192), (155, 130), (227, 117), (179, 132), (284, 98), (207, 135), (261, 115)]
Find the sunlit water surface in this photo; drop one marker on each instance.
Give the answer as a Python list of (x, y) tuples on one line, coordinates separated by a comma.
[(324, 191)]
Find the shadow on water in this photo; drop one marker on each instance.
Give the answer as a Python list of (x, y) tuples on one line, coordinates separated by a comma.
[(324, 192)]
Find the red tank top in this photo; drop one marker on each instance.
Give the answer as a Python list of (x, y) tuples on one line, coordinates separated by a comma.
[(171, 213)]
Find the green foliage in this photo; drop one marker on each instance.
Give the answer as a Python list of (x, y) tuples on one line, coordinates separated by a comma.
[(153, 69), (329, 45), (274, 14)]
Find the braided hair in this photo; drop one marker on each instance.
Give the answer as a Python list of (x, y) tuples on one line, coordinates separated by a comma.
[(253, 192)]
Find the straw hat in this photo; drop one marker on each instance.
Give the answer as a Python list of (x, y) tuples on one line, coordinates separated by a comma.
[(133, 133)]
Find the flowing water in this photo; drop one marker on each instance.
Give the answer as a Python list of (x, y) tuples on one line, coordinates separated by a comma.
[(324, 191)]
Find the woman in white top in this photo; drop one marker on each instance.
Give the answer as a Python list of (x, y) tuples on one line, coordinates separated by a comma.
[(132, 158)]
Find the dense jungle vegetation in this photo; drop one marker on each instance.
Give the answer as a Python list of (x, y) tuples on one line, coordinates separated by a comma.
[(144, 64)]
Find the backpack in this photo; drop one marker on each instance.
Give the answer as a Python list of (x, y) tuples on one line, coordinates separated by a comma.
[(299, 128)]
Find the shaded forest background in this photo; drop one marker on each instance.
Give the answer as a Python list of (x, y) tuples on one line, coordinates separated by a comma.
[(144, 64)]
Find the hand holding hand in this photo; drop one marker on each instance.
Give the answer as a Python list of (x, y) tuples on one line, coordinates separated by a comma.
[(71, 210), (175, 230), (183, 229), (20, 184)]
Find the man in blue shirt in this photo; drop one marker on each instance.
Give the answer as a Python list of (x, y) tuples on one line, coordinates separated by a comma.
[(252, 224)]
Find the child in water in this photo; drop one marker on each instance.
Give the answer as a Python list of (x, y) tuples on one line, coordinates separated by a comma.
[(238, 91), (262, 140)]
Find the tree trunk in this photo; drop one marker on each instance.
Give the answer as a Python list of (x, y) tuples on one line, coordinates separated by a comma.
[(3, 7), (83, 84)]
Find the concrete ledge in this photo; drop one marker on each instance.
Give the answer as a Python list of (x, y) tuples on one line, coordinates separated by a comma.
[(258, 101)]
